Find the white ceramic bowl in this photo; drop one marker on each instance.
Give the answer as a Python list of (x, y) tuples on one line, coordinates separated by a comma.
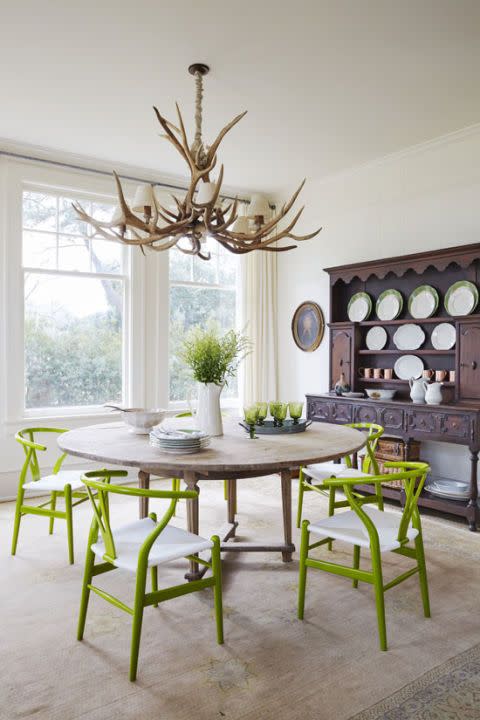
[(141, 420), (379, 394)]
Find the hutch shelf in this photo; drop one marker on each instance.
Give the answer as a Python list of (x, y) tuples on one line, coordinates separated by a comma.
[(457, 419)]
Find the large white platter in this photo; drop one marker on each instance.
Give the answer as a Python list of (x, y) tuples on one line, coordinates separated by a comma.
[(423, 302), (376, 338), (389, 305), (453, 489), (461, 298), (409, 337), (444, 336), (409, 366), (359, 307)]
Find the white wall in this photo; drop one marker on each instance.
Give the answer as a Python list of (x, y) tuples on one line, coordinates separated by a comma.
[(427, 197)]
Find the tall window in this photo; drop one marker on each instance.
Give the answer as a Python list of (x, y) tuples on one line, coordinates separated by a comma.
[(201, 291), (75, 290)]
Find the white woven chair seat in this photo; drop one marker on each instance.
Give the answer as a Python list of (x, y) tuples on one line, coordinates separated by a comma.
[(172, 543), (323, 471), (57, 482), (347, 526)]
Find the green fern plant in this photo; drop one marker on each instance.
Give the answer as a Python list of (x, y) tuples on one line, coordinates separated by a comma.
[(212, 357)]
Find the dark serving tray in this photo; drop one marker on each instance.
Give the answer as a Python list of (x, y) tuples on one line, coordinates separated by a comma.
[(268, 428)]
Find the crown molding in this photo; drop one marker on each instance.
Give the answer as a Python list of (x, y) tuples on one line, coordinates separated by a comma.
[(85, 163), (410, 151)]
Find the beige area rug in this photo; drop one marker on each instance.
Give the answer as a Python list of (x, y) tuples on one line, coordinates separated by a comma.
[(272, 666)]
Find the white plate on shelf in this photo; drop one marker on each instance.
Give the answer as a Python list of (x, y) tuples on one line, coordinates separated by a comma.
[(461, 298), (409, 366), (359, 307), (453, 489), (409, 337), (376, 338), (444, 336), (389, 305), (423, 302)]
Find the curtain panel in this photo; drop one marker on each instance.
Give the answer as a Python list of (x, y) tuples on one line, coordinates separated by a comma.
[(258, 298)]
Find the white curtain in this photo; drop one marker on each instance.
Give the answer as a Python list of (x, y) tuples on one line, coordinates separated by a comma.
[(258, 312)]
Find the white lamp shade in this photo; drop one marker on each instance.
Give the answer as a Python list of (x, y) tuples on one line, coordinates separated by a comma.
[(143, 198), (205, 192), (241, 225), (258, 206)]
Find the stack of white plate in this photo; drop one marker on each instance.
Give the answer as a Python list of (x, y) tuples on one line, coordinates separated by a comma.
[(452, 489), (179, 442)]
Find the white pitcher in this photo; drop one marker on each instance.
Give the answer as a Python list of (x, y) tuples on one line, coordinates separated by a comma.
[(433, 396), (418, 388), (209, 417)]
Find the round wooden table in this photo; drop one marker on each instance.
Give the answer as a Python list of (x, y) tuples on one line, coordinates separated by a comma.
[(229, 457)]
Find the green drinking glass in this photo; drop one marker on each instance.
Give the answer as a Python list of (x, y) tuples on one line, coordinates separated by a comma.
[(250, 414), (262, 408), (278, 410), (295, 409)]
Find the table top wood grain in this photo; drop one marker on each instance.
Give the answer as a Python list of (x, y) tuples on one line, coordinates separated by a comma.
[(232, 454)]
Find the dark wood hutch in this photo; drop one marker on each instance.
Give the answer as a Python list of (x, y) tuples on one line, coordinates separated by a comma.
[(457, 419)]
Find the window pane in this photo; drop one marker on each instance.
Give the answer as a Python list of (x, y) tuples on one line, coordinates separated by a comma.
[(180, 265), (102, 211), (196, 306), (68, 220), (39, 211), (107, 256), (73, 341), (73, 253), (205, 271), (39, 250), (227, 267)]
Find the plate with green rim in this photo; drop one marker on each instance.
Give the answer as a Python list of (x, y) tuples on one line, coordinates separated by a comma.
[(461, 298), (389, 305), (423, 302), (360, 307)]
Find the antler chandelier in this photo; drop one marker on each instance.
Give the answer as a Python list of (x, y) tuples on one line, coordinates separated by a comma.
[(200, 213)]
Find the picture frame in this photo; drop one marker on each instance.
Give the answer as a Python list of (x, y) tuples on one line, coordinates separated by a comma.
[(308, 326)]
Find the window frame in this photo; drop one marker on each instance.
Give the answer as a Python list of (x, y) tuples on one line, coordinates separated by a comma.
[(22, 176), (227, 403), (123, 277)]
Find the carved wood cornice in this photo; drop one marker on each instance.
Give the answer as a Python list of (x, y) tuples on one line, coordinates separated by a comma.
[(461, 255)]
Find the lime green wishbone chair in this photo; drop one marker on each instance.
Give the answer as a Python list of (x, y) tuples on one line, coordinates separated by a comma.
[(138, 546), (322, 471), (61, 483), (378, 530)]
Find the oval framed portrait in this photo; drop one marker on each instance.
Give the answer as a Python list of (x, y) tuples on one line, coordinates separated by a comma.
[(308, 326)]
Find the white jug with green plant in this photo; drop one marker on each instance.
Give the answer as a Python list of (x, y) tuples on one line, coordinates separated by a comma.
[(213, 359)]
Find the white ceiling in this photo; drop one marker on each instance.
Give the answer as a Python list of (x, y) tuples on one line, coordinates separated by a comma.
[(328, 84)]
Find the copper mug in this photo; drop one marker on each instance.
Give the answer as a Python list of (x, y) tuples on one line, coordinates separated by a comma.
[(428, 374), (451, 376), (388, 373), (365, 372), (377, 373), (440, 375)]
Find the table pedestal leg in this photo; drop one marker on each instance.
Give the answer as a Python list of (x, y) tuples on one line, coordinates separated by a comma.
[(232, 504), (286, 477), (143, 482), (190, 480)]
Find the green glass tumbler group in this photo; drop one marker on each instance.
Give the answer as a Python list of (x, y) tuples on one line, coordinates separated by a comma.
[(256, 413)]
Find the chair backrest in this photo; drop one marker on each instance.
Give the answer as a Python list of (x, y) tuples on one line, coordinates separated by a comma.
[(374, 432), (412, 475), (26, 438), (98, 487)]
